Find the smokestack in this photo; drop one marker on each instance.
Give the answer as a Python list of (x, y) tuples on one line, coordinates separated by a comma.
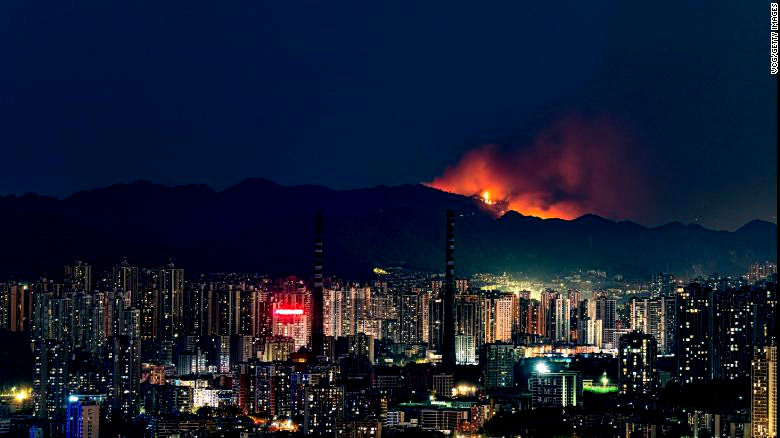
[(448, 344), (317, 336)]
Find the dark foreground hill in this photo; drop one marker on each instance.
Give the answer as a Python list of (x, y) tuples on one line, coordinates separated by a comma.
[(259, 226)]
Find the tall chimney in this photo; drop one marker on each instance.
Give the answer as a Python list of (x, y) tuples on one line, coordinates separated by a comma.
[(448, 338), (317, 336)]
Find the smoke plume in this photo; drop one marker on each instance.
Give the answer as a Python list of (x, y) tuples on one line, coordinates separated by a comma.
[(576, 165)]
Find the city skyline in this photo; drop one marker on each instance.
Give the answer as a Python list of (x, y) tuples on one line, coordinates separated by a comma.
[(447, 219), (153, 351)]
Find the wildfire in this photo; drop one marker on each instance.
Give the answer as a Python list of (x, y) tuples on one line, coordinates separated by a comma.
[(575, 166)]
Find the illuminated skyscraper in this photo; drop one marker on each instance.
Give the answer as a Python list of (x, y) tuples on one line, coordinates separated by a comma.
[(409, 318), (603, 313), (637, 363), (499, 318), (734, 324), (435, 323), (561, 319), (289, 317), (499, 363), (83, 418), (763, 400), (126, 278), (694, 333), (170, 295), (16, 307), (555, 389), (324, 405), (125, 361), (50, 379), (79, 275), (664, 289)]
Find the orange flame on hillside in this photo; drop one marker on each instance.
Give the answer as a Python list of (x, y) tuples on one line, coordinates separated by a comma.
[(576, 166)]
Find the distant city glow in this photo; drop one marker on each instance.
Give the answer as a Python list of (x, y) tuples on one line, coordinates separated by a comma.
[(289, 311)]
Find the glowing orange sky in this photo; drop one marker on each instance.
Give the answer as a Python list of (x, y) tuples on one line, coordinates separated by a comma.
[(576, 166)]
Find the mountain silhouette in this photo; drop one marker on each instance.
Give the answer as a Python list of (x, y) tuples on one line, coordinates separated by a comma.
[(260, 226)]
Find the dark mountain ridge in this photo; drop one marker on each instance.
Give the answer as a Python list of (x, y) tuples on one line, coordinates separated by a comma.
[(260, 226)]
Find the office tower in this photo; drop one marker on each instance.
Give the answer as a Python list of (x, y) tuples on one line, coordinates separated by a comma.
[(246, 382), (733, 337), (561, 313), (555, 389), (16, 307), (663, 285), (224, 307), (465, 350), (170, 295), (694, 333), (83, 418), (763, 401), (191, 362), (448, 337), (362, 345), (603, 312), (126, 278), (522, 307), (241, 348), (331, 312), (499, 363), (435, 324), (442, 385), (50, 316), (195, 297), (408, 318), (583, 322), (638, 317), (50, 378), (637, 357), (278, 348), (765, 332), (664, 290), (575, 315), (499, 321), (534, 316), (425, 314), (316, 326), (262, 311), (546, 316), (469, 329), (149, 309), (324, 405), (350, 308), (470, 313), (125, 362), (289, 317), (79, 276)]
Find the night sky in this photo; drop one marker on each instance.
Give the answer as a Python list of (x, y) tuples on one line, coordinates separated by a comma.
[(649, 112)]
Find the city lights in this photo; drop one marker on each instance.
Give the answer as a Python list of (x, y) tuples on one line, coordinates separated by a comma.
[(542, 368)]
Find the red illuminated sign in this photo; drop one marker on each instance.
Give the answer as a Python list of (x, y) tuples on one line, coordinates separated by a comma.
[(289, 311)]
